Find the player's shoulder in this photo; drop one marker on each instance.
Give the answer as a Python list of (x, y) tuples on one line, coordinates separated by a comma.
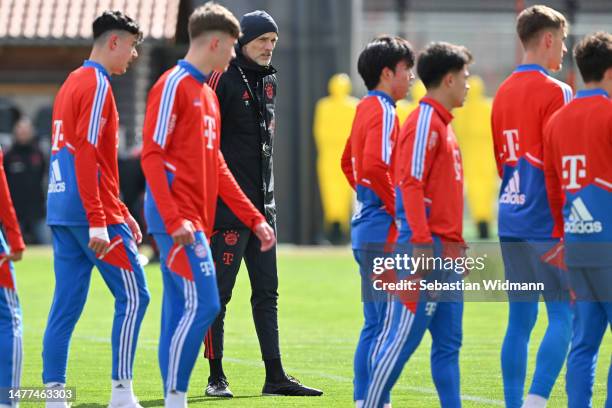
[(555, 86), (207, 91), (174, 78), (85, 82), (84, 78), (209, 98), (375, 106)]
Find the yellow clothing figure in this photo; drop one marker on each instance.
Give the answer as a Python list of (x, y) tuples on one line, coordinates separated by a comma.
[(472, 125), (404, 107), (332, 125)]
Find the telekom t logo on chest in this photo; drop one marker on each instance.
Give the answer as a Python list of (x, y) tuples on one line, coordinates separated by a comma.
[(574, 168), (511, 146), (210, 130), (58, 136)]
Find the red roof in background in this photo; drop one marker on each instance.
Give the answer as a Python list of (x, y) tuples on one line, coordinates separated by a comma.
[(72, 19)]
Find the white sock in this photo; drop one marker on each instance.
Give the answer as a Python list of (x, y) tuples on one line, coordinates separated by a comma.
[(122, 393), (359, 404), (534, 401), (176, 399), (56, 404), (387, 405)]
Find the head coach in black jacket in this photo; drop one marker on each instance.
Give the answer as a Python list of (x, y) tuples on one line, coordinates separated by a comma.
[(247, 93)]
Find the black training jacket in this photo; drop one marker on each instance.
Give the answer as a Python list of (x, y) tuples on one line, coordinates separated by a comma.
[(247, 137)]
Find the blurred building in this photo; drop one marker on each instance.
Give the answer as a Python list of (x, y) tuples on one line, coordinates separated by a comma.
[(42, 40)]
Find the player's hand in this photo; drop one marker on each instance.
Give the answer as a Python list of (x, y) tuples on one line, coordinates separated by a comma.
[(425, 252), (98, 240), (185, 234), (15, 256), (98, 245), (135, 228), (266, 235)]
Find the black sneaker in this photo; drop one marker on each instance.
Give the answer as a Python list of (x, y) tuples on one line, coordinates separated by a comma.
[(218, 387), (289, 386)]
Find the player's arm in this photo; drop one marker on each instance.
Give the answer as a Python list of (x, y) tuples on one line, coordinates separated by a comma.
[(347, 163), (131, 222), (497, 142), (420, 153), (554, 190), (9, 218), (232, 195), (156, 139), (377, 157), (93, 104)]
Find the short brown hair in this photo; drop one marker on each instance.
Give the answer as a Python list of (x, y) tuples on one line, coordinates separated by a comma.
[(531, 21), (213, 17), (593, 56)]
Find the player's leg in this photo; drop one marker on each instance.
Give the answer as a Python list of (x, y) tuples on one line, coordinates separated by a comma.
[(11, 331), (72, 276), (591, 321), (522, 315), (10, 334), (172, 305), (382, 333), (227, 247), (555, 343), (553, 348), (192, 269), (125, 278), (407, 329), (361, 363), (446, 334), (370, 329), (590, 325)]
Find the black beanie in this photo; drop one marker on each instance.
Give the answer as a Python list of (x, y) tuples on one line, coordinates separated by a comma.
[(254, 24)]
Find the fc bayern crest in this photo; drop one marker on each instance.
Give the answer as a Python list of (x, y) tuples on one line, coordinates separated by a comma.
[(269, 91), (200, 250), (231, 238)]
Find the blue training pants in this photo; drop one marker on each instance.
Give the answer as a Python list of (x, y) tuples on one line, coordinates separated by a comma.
[(10, 328), (190, 304), (124, 276)]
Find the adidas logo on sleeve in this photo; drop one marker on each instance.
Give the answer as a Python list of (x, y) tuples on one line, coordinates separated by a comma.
[(580, 220), (512, 193)]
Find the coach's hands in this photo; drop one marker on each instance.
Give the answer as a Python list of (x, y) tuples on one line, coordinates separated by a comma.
[(135, 228), (98, 240), (266, 235), (15, 256), (185, 234)]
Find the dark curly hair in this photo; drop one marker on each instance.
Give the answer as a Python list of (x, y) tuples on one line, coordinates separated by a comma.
[(115, 20), (593, 56)]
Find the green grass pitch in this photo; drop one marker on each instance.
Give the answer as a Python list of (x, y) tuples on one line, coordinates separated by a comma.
[(319, 318)]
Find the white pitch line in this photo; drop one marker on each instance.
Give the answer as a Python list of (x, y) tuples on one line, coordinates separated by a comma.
[(148, 345)]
